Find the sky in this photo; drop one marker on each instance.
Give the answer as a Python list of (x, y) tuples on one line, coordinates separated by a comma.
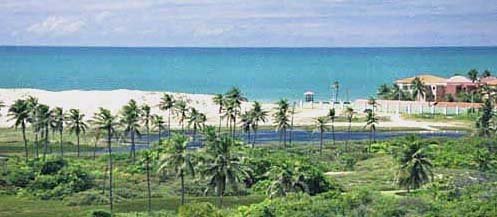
[(250, 23)]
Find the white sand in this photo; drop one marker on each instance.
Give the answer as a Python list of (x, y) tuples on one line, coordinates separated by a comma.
[(89, 102)]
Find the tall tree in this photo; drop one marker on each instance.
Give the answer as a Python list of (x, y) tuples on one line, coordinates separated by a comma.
[(349, 114), (181, 110), (76, 125), (418, 89), (246, 120), (58, 125), (235, 97), (167, 104), (224, 167), (32, 104), (43, 119), (104, 120), (320, 125), (145, 162), (371, 123), (196, 120), (282, 120), (286, 179), (415, 166), (158, 123), (130, 120), (19, 113), (332, 117), (486, 73), (473, 75), (259, 115), (146, 117), (178, 159), (384, 91), (218, 99), (336, 86), (483, 122)]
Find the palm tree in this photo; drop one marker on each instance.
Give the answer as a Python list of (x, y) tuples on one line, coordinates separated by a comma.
[(19, 113), (292, 113), (349, 114), (219, 100), (58, 125), (130, 118), (246, 120), (336, 86), (224, 168), (332, 116), (181, 110), (97, 135), (486, 73), (281, 119), (320, 126), (230, 115), (286, 179), (158, 123), (76, 124), (197, 120), (104, 120), (43, 120), (32, 104), (418, 88), (179, 159), (473, 75), (146, 118), (167, 104), (371, 122), (235, 97), (146, 159), (258, 116), (415, 167), (384, 91)]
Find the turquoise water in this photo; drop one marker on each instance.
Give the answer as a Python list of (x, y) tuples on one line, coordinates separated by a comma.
[(262, 73)]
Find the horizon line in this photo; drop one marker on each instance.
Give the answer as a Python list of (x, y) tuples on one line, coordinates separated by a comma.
[(254, 47)]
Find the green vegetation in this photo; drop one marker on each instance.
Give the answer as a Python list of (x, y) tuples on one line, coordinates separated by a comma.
[(228, 176)]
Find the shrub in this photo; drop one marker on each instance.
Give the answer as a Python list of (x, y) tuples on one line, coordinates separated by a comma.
[(100, 213), (204, 209)]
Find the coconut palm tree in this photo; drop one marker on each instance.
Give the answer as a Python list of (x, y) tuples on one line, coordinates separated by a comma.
[(486, 73), (32, 104), (229, 115), (418, 89), (146, 117), (130, 120), (286, 179), (97, 134), (321, 127), (336, 86), (246, 120), (76, 124), (158, 123), (218, 99), (415, 166), (196, 120), (235, 97), (104, 120), (179, 159), (181, 110), (371, 123), (145, 162), (349, 114), (259, 115), (58, 119), (167, 104), (19, 113), (224, 166), (281, 119), (332, 116), (292, 114), (473, 75), (43, 120)]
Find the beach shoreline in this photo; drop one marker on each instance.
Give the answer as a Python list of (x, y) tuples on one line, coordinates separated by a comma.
[(89, 101)]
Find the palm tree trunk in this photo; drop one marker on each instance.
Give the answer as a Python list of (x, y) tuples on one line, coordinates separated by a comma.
[(109, 145), (133, 153), (45, 151), (61, 144), (255, 136), (159, 134), (333, 131), (148, 136), (234, 125), (321, 143), (284, 137), (169, 124), (95, 149), (348, 136), (182, 177), (77, 136), (194, 133), (25, 140), (148, 185), (36, 145), (220, 120)]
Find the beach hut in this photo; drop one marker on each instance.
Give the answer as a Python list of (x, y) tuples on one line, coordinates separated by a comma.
[(309, 96)]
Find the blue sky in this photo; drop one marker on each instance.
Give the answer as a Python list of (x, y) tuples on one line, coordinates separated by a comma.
[(290, 23)]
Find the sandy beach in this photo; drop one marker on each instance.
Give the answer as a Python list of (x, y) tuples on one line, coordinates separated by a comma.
[(90, 101)]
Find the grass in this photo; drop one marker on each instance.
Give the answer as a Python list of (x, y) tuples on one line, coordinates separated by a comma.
[(11, 206)]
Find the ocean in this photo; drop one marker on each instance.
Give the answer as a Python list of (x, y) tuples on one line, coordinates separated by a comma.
[(265, 74)]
